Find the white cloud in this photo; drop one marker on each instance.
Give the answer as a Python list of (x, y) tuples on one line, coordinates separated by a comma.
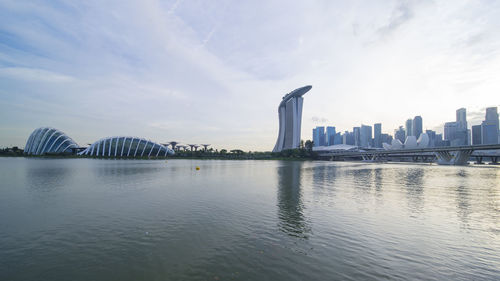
[(216, 71), (33, 74)]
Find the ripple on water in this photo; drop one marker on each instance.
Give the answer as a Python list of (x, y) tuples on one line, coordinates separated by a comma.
[(84, 219)]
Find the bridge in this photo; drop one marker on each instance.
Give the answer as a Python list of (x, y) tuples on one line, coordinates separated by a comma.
[(447, 155)]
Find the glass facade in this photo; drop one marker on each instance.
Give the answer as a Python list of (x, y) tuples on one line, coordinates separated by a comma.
[(48, 140), (126, 147)]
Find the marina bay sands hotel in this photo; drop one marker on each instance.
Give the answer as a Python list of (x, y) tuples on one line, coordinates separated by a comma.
[(290, 116)]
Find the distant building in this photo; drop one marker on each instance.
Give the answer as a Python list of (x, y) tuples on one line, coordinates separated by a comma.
[(330, 135), (377, 134), (48, 140), (450, 132), (439, 140), (408, 126), (489, 127), (416, 126), (366, 136), (385, 138), (315, 136), (432, 138), (476, 135), (319, 136), (357, 136), (348, 138), (337, 139), (461, 135), (290, 118), (130, 147), (400, 134), (462, 118), (489, 133)]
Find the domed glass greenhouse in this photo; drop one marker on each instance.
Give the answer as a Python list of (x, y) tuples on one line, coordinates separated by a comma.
[(49, 140)]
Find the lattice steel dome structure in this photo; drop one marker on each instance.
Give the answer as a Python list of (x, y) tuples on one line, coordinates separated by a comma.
[(49, 140), (122, 146)]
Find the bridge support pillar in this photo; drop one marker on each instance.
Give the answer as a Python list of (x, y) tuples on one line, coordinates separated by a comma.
[(457, 158), (494, 160), (479, 160)]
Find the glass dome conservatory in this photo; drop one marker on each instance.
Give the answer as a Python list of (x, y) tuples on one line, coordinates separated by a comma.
[(49, 140), (122, 146)]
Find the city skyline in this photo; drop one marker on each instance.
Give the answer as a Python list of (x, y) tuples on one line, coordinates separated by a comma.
[(459, 132), (213, 72)]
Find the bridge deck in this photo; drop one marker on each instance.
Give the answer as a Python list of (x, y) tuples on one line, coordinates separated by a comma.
[(408, 152)]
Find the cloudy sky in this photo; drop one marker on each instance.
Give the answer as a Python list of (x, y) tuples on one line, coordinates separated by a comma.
[(215, 71)]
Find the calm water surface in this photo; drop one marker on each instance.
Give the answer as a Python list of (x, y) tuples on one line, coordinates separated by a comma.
[(83, 219)]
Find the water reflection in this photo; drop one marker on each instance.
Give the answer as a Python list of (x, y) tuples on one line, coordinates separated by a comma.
[(378, 179), (324, 176), (290, 205), (362, 178), (117, 168), (463, 197), (41, 177), (414, 186), (224, 222)]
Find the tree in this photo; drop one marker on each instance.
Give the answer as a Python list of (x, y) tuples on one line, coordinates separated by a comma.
[(309, 145), (237, 151)]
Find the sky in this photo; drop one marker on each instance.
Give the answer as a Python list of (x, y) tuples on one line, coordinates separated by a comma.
[(215, 71)]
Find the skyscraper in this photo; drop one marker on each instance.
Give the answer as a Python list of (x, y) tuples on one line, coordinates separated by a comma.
[(408, 127), (461, 135), (348, 138), (377, 135), (450, 132), (319, 136), (462, 118), (416, 126), (337, 139), (432, 138), (290, 118), (315, 136), (400, 134), (357, 135), (386, 138), (330, 135), (489, 127), (476, 135), (365, 136)]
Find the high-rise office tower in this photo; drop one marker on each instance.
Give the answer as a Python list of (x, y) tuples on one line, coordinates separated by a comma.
[(337, 139), (489, 127), (315, 137), (476, 135), (400, 134), (450, 132), (386, 138), (432, 137), (357, 136), (461, 137), (365, 136), (330, 135), (416, 126), (462, 118), (319, 136), (408, 127), (348, 138), (290, 118), (377, 135)]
